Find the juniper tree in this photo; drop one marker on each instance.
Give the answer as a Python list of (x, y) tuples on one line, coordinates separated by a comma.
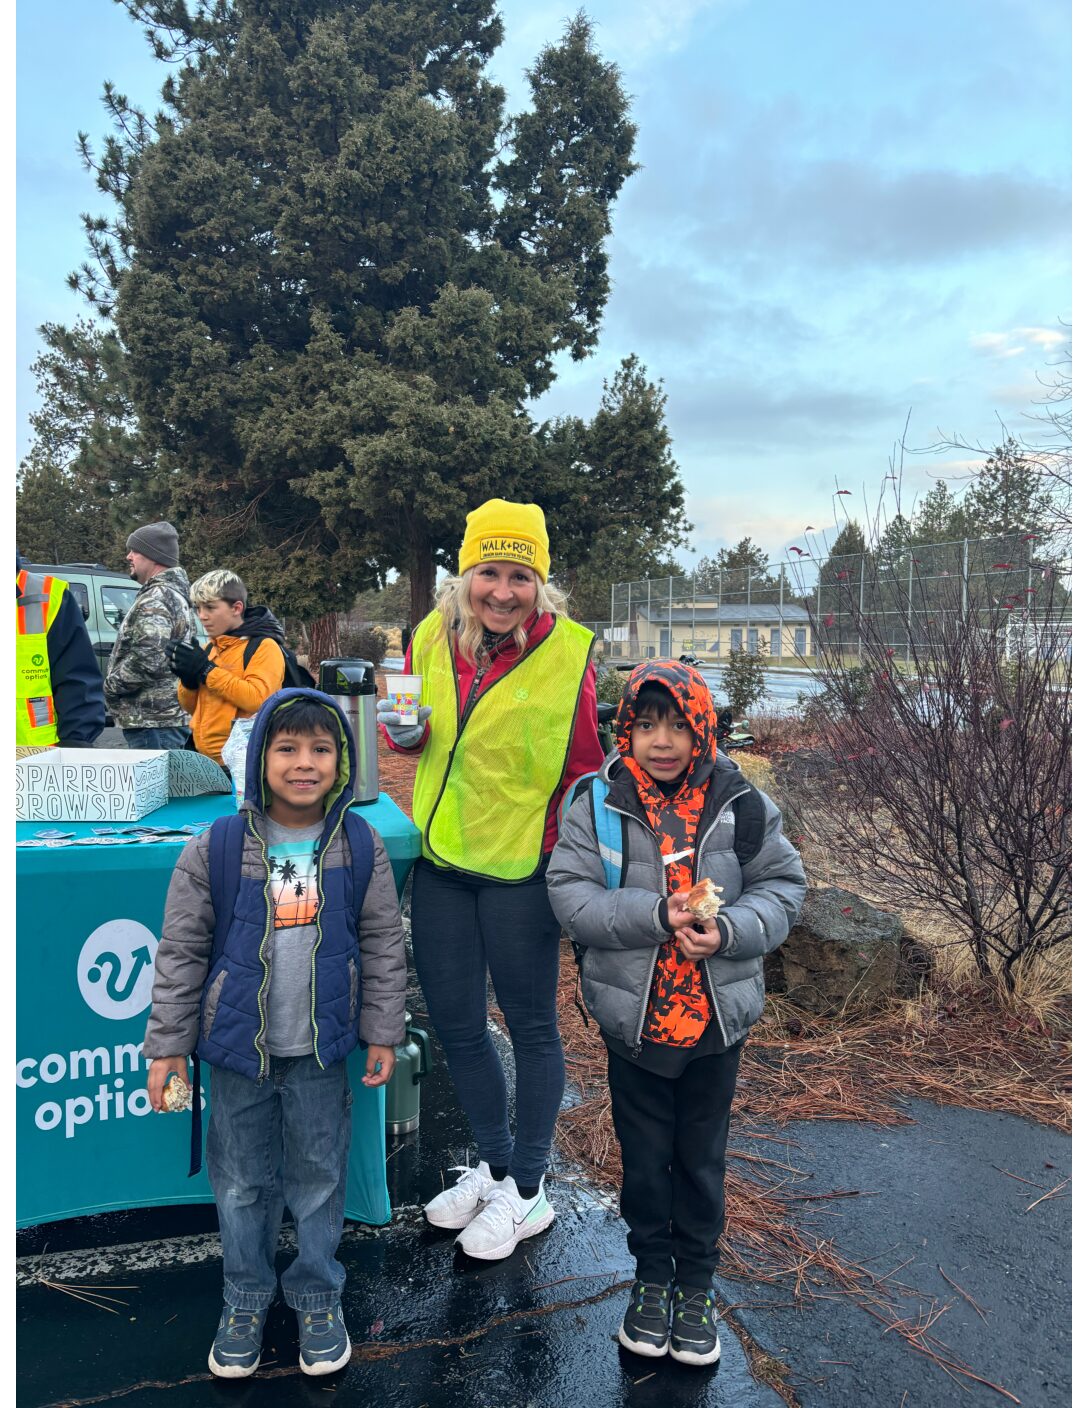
[(67, 505), (340, 273)]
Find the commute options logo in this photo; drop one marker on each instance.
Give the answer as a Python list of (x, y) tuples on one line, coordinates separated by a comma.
[(116, 969)]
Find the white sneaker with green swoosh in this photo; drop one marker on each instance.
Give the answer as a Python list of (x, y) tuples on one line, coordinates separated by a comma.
[(506, 1219)]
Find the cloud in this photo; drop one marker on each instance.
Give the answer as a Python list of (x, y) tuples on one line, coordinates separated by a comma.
[(634, 35), (740, 414), (1044, 337), (646, 29), (681, 307), (838, 212), (1013, 344), (995, 343)]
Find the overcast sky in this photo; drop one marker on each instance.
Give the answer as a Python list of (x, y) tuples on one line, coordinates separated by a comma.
[(846, 212)]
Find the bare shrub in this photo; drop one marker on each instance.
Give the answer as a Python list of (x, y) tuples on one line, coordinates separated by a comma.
[(779, 733), (951, 777)]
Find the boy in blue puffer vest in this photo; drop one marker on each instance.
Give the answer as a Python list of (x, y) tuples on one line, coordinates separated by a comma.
[(277, 958)]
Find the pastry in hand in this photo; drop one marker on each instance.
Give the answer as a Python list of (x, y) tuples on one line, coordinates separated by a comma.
[(176, 1094), (703, 899)]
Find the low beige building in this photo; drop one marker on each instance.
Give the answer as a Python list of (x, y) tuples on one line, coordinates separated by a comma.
[(711, 630)]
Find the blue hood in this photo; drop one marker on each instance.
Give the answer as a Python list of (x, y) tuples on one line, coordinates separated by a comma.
[(343, 789)]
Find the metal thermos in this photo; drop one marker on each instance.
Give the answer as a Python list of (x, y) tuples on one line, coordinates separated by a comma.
[(351, 683), (402, 1092)]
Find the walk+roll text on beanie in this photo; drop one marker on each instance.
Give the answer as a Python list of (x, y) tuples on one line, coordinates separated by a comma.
[(501, 531)]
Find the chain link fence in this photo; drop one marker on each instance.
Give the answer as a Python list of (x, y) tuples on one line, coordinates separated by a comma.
[(790, 612)]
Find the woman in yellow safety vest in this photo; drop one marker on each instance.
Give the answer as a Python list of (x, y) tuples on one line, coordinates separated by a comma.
[(508, 721)]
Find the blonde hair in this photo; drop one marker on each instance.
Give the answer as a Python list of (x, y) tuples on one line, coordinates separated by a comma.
[(220, 584), (452, 603)]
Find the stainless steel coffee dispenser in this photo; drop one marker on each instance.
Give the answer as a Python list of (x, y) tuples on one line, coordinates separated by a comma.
[(351, 683)]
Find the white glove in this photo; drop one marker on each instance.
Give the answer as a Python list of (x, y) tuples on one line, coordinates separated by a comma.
[(402, 734)]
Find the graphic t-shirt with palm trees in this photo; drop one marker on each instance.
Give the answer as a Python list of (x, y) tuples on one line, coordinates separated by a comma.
[(293, 892)]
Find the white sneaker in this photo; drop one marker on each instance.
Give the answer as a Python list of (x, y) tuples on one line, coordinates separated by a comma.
[(506, 1220), (457, 1206)]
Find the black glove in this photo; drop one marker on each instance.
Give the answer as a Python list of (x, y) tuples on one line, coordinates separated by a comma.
[(188, 662)]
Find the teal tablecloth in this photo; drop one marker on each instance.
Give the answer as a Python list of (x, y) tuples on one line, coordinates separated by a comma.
[(88, 920)]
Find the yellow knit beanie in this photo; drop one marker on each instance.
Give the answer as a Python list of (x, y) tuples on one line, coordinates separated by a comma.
[(500, 531)]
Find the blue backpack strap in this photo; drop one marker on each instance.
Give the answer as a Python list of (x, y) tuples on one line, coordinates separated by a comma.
[(609, 827), (361, 840), (607, 824), (226, 839)]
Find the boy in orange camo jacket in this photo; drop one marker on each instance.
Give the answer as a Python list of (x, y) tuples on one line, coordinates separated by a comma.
[(675, 996)]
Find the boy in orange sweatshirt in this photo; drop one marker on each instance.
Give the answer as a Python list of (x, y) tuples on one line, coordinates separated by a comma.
[(243, 664)]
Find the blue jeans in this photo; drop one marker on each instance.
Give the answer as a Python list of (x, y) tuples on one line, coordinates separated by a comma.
[(284, 1139), (155, 737), (462, 929)]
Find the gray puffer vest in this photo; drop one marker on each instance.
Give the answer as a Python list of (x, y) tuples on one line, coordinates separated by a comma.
[(739, 845)]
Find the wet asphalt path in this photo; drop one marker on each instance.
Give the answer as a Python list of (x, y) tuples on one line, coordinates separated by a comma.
[(944, 1195), (537, 1329)]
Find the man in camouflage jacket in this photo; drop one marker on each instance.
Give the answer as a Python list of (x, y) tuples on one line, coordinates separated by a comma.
[(141, 691)]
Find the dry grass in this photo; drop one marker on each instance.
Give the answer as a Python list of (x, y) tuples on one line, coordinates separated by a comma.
[(780, 733), (757, 770), (1042, 990)]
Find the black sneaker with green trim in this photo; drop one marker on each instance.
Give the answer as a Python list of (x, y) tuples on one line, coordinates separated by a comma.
[(693, 1338), (645, 1328)]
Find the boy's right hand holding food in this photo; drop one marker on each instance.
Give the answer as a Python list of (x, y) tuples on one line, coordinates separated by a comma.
[(680, 917), (696, 936), (159, 1072)]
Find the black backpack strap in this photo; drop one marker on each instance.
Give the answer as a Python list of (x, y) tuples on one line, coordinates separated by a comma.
[(251, 649), (226, 839), (361, 842), (750, 812)]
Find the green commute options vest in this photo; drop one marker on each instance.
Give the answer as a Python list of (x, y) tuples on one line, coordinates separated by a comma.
[(484, 782), (36, 610)]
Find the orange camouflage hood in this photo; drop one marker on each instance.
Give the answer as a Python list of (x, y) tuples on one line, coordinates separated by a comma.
[(678, 1009), (694, 701)]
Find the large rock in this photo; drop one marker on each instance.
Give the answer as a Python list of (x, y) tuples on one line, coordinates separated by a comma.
[(842, 954)]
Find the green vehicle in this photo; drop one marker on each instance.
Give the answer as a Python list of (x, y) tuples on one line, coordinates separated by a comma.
[(104, 597)]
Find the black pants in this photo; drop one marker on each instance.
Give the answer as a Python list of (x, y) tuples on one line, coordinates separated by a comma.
[(672, 1135), (463, 930)]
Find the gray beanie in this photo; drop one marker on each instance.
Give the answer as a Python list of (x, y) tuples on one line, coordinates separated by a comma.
[(158, 541)]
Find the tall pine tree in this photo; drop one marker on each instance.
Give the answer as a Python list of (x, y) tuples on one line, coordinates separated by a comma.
[(1008, 498), (340, 274), (67, 504)]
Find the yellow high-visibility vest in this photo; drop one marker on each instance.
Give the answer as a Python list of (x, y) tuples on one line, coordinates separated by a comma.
[(484, 781), (35, 611)]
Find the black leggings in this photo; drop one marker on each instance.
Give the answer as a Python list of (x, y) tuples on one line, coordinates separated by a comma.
[(463, 929)]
